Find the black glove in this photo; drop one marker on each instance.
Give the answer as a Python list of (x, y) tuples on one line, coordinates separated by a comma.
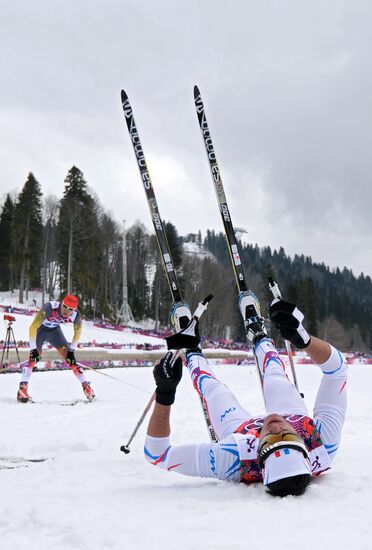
[(34, 356), (70, 357), (187, 338), (288, 319), (167, 378)]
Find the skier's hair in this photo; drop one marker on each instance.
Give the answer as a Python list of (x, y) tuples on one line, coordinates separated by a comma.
[(295, 485)]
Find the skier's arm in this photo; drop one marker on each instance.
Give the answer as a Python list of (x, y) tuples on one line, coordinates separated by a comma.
[(318, 350), (159, 425), (217, 460), (158, 450), (330, 405), (35, 325), (78, 326), (331, 400)]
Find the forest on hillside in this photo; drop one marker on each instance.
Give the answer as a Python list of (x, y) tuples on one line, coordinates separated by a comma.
[(71, 244)]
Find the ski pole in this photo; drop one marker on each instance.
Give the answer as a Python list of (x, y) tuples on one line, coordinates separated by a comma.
[(125, 448), (22, 362), (11, 368), (189, 332), (110, 376), (277, 294)]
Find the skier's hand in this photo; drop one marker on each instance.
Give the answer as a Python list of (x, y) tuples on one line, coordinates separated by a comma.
[(167, 378), (288, 319), (34, 356), (70, 357)]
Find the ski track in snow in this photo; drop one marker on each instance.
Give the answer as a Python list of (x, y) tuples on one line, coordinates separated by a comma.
[(92, 496)]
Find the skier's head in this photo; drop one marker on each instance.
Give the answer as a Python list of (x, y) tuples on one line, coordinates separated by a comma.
[(283, 458), (69, 304)]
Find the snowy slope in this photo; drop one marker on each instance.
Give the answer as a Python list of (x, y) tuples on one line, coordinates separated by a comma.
[(193, 249), (90, 332), (91, 496)]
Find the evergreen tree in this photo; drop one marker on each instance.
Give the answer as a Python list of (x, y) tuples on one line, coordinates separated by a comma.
[(79, 251), (175, 244), (50, 246), (27, 236), (161, 302), (306, 303), (322, 294), (6, 245), (109, 289), (139, 263)]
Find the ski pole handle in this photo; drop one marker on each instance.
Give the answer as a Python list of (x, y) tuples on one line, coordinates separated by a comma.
[(274, 289), (202, 306), (278, 296)]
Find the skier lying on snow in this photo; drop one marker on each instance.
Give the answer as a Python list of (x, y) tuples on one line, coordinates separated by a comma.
[(283, 449)]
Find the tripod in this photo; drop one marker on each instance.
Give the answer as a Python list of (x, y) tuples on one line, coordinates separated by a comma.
[(9, 342)]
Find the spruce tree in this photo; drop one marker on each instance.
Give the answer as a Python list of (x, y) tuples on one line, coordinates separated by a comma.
[(79, 252), (27, 236), (50, 246), (138, 258), (6, 244), (162, 300)]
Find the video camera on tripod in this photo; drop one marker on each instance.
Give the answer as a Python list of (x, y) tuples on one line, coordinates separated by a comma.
[(10, 341), (9, 318)]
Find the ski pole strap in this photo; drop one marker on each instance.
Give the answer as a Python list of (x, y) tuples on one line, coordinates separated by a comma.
[(189, 337), (202, 306), (175, 357), (274, 289)]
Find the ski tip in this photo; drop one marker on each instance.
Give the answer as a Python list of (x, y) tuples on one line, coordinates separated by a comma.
[(196, 91), (271, 281), (124, 96)]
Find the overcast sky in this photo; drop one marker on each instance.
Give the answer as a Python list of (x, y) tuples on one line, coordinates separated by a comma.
[(287, 87)]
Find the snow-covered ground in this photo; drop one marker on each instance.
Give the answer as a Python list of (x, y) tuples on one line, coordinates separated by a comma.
[(193, 249), (92, 496)]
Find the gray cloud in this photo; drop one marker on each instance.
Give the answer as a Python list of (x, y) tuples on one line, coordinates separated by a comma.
[(286, 85)]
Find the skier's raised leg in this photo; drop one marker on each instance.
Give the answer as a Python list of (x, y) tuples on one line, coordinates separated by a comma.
[(280, 395), (225, 412)]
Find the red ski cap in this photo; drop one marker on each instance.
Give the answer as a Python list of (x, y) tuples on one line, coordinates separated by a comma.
[(70, 301)]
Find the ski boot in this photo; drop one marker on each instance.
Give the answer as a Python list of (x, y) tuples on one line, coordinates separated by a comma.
[(89, 393), (180, 315), (22, 394), (251, 313)]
